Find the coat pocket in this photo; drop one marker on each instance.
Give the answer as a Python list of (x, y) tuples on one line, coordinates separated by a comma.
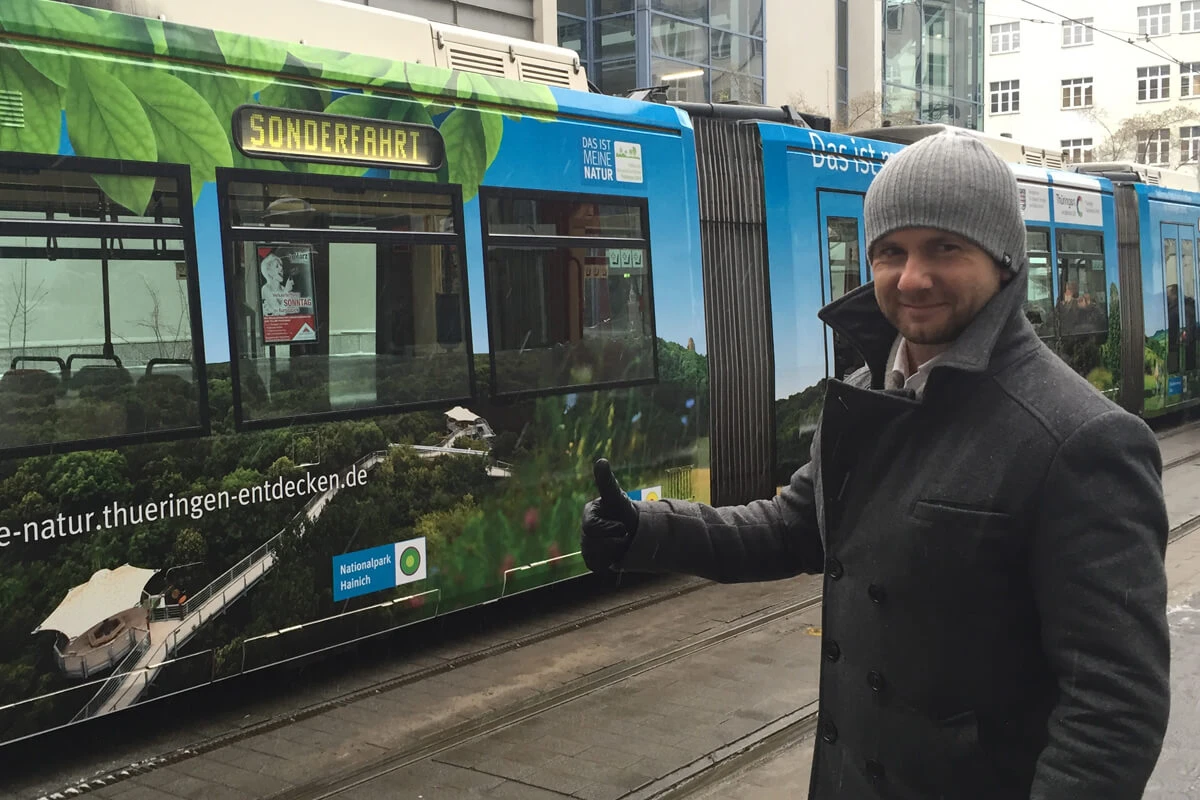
[(942, 514), (939, 758), (959, 540)]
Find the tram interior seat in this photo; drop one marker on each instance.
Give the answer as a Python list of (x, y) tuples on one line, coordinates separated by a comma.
[(28, 398)]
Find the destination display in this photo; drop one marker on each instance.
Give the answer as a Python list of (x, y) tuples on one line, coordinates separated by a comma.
[(311, 136)]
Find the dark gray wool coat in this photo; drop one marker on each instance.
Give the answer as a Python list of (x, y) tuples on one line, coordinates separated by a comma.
[(994, 619)]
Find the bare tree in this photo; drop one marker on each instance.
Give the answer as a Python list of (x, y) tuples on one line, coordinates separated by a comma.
[(862, 111), (21, 303), (169, 336), (1123, 137)]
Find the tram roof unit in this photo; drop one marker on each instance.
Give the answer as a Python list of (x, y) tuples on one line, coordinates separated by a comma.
[(364, 30), (1011, 150), (1131, 172)]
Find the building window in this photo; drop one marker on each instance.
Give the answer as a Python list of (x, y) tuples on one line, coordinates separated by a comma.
[(100, 297), (1154, 83), (569, 292), (701, 50), (347, 296), (1006, 38), (1077, 93), (1189, 144), (602, 33), (1191, 15), (1077, 31), (1154, 147), (1154, 20), (1006, 96), (1189, 79), (1077, 151)]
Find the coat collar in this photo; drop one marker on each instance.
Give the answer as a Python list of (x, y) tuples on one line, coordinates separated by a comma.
[(1000, 325)]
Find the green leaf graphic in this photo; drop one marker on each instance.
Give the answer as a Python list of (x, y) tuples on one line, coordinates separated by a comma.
[(223, 93), (55, 66), (250, 52), (493, 132), (466, 149), (427, 80), (185, 127), (297, 98), (531, 96), (40, 100), (158, 36), (409, 111), (360, 105), (41, 18), (477, 87), (413, 112), (356, 68), (105, 120)]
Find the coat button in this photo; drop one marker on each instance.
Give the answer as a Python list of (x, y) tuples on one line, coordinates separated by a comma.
[(835, 569), (874, 770), (829, 732), (875, 681), (832, 651), (876, 593)]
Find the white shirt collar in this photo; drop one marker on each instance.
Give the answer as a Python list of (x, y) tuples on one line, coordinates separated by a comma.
[(901, 375)]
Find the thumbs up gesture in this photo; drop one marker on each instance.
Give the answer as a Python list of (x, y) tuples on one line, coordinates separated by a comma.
[(609, 522)]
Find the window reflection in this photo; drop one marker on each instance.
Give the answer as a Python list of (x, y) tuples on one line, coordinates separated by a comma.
[(1083, 290), (327, 325), (571, 313), (1039, 300), (845, 265)]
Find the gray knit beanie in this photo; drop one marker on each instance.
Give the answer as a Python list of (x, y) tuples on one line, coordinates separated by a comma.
[(953, 182)]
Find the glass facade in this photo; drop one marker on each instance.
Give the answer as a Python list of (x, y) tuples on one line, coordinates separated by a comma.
[(702, 50), (933, 61)]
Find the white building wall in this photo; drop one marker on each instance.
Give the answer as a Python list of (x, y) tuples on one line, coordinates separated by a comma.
[(1041, 63)]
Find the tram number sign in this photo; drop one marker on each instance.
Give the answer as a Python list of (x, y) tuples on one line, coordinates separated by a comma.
[(282, 133)]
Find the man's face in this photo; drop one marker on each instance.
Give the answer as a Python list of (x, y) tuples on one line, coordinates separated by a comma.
[(931, 284)]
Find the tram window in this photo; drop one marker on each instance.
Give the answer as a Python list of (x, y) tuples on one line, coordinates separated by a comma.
[(843, 256), (569, 293), (96, 333), (283, 205), (552, 216), (1083, 289), (1040, 288), (345, 305), (1188, 337), (843, 278)]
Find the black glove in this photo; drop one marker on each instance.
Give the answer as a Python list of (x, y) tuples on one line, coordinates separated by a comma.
[(609, 522)]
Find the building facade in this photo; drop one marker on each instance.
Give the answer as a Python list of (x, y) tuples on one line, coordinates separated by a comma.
[(1112, 81), (702, 50), (933, 64)]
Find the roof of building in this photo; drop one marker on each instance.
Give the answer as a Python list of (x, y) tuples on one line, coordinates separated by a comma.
[(460, 414), (108, 592)]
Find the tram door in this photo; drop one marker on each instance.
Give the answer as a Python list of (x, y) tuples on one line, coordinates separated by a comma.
[(844, 263), (1179, 265)]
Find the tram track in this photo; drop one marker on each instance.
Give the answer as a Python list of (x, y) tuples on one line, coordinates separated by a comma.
[(491, 724)]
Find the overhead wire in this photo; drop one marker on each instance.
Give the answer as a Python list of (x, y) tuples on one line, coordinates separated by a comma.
[(1130, 42)]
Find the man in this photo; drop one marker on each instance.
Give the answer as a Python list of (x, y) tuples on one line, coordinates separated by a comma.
[(991, 529)]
